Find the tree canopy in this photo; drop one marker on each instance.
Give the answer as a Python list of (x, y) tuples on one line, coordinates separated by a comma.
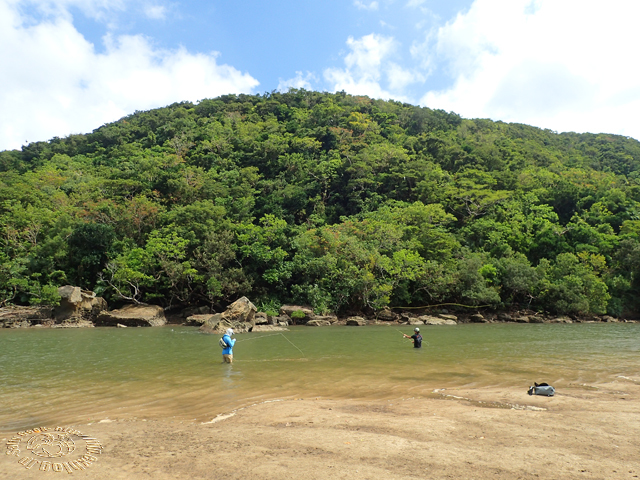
[(338, 201)]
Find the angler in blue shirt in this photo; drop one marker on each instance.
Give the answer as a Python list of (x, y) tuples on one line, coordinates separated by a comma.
[(227, 353)]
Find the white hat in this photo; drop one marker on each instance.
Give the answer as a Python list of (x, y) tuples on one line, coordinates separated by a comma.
[(416, 329), (230, 331)]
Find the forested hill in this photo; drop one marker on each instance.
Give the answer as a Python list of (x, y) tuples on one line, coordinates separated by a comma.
[(332, 200)]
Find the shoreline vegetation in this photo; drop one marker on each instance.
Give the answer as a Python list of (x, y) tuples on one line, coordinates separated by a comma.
[(340, 202)]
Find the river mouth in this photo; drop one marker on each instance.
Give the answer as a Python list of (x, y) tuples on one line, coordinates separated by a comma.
[(71, 376)]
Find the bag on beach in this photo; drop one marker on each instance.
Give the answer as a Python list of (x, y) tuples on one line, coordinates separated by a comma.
[(222, 343), (542, 389)]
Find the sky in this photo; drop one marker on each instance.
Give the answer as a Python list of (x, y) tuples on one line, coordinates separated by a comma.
[(70, 66)]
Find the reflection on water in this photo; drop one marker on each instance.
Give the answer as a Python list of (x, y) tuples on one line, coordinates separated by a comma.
[(81, 375)]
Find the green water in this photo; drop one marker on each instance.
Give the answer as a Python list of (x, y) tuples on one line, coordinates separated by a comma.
[(64, 376)]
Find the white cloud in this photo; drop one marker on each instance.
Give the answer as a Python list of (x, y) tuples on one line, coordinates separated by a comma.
[(54, 83), (155, 12), (363, 6), (558, 64), (367, 64), (299, 81)]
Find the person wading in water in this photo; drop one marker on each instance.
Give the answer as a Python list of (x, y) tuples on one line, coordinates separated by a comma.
[(227, 352), (417, 338)]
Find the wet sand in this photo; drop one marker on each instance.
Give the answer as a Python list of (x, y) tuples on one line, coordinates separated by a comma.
[(583, 432)]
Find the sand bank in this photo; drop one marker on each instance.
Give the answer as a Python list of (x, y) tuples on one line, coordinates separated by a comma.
[(584, 432)]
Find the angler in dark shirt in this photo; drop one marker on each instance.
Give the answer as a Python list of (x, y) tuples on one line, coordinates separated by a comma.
[(417, 338)]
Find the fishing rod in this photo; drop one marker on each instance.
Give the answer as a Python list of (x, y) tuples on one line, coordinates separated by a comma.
[(426, 343)]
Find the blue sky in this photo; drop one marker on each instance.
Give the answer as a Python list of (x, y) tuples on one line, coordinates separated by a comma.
[(69, 66)]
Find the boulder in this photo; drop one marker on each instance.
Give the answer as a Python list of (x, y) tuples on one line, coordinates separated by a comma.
[(609, 318), (318, 323), (387, 315), (76, 303), (282, 320), (521, 319), (240, 311), (505, 317), (478, 318), (415, 321), (140, 315), (216, 324), (356, 321), (261, 318), (448, 317), (429, 320), (536, 319), (22, 317)]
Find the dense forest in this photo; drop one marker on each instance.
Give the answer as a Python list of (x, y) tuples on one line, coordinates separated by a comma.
[(337, 201)]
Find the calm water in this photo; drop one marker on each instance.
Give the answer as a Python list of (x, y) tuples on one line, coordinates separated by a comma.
[(63, 376)]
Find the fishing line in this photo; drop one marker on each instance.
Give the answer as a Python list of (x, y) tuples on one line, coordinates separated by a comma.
[(256, 338), (293, 344)]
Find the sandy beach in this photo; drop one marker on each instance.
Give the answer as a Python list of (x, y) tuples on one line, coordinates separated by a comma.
[(583, 432)]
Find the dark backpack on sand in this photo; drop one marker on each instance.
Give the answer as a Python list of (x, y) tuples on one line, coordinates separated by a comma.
[(542, 389)]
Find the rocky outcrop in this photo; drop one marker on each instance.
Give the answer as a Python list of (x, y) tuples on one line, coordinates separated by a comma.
[(22, 317), (77, 304), (448, 317), (140, 315), (429, 320)]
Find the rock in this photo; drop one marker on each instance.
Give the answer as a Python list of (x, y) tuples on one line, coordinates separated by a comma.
[(240, 311), (261, 318), (387, 315), (449, 317), (609, 319), (536, 319), (22, 317), (78, 303), (505, 317), (133, 316), (281, 320), (429, 320), (478, 318), (522, 319), (560, 320), (74, 323), (318, 323), (295, 312), (325, 318), (200, 319), (216, 324), (269, 328), (121, 326), (356, 321)]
